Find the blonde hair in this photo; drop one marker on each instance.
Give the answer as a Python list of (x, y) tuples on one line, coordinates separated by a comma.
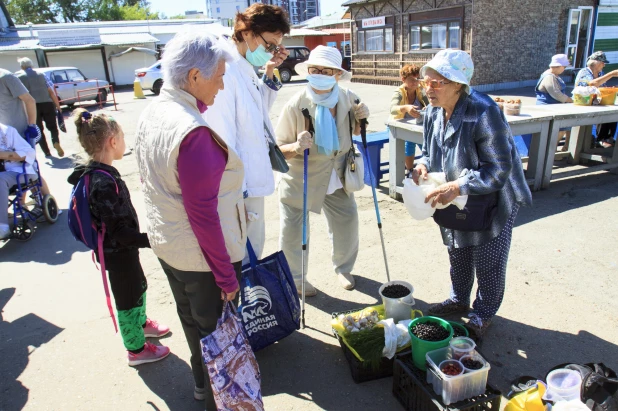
[(93, 130)]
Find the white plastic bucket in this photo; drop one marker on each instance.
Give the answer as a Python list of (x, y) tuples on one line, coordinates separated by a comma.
[(398, 309), (563, 385)]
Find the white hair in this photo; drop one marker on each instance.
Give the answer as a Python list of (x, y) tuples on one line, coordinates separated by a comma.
[(187, 51), (591, 63), (24, 63)]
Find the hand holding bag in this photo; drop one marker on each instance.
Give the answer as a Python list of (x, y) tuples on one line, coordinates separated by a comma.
[(354, 175), (277, 160)]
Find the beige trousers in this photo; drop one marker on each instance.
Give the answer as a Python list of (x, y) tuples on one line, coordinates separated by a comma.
[(256, 230), (342, 218)]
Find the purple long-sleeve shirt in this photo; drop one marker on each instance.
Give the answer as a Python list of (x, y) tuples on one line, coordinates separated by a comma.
[(201, 162)]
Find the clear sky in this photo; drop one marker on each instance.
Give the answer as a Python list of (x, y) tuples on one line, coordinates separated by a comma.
[(175, 7)]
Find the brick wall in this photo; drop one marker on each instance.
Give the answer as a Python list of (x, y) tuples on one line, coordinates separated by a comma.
[(509, 40), (515, 42)]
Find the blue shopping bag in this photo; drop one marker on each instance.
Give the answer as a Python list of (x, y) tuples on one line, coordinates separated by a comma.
[(269, 306)]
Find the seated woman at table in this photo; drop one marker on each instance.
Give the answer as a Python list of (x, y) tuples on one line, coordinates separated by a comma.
[(593, 76), (407, 102), (468, 139), (550, 89)]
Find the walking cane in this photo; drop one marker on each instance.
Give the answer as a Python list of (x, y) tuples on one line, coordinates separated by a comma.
[(363, 127), (311, 130)]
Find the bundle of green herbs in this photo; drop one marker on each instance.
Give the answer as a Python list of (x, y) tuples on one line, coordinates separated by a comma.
[(369, 344)]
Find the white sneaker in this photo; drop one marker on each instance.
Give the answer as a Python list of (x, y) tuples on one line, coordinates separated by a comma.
[(347, 281), (310, 291), (5, 231)]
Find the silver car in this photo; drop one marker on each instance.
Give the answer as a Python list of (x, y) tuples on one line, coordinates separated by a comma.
[(151, 78), (72, 86)]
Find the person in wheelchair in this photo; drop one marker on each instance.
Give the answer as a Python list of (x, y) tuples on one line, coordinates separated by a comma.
[(16, 156)]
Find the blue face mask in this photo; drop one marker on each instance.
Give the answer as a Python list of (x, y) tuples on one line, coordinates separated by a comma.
[(321, 82), (259, 57)]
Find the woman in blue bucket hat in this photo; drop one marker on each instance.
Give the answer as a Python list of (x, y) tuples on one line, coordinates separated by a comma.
[(467, 137)]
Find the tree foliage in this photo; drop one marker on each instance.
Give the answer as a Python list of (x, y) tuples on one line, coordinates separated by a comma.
[(71, 11)]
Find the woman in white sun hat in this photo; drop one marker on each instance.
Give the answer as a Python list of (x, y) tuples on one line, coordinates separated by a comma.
[(467, 138), (550, 89), (335, 116)]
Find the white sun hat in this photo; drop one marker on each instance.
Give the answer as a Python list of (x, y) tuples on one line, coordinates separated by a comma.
[(560, 60), (324, 57), (454, 65)]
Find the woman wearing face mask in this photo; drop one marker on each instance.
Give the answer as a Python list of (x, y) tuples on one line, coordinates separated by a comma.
[(335, 115), (240, 112)]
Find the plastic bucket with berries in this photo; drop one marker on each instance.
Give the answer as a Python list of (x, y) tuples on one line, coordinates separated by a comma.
[(512, 107), (428, 334)]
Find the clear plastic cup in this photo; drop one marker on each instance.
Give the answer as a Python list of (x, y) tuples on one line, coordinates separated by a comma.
[(474, 357), (462, 346), (456, 363)]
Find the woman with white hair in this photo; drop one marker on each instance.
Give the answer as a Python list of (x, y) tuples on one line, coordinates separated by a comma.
[(336, 117), (192, 186), (240, 112), (551, 89), (468, 138)]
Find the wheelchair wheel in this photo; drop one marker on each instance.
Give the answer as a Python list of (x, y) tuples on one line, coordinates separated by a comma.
[(23, 231), (50, 209)]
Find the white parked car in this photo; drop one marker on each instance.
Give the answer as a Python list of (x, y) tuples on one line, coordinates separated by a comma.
[(72, 85), (151, 78)]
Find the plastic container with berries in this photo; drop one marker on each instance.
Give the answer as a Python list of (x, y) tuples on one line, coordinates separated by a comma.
[(454, 388)]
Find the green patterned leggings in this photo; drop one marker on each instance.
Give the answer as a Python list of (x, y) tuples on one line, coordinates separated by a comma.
[(131, 325)]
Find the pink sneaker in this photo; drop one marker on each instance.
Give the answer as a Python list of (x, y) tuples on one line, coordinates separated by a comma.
[(151, 353), (154, 329)]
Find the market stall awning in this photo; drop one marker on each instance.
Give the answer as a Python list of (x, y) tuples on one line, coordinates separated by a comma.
[(18, 44)]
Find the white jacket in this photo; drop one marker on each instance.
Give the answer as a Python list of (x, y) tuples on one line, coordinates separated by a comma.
[(10, 140), (238, 116), (161, 129)]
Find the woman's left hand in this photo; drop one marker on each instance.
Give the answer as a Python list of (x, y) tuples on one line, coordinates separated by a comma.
[(443, 194), (361, 111)]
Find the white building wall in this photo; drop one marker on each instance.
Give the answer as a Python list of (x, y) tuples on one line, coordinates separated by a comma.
[(8, 59), (122, 69), (226, 9)]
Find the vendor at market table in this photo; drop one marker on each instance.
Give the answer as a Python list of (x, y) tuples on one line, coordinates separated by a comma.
[(593, 76), (407, 102), (467, 137)]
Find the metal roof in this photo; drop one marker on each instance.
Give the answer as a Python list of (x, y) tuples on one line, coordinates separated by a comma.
[(337, 31), (306, 33), (354, 2), (7, 44), (127, 39)]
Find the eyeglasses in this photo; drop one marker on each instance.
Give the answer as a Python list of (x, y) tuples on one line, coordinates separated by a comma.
[(271, 48), (434, 84), (324, 71)]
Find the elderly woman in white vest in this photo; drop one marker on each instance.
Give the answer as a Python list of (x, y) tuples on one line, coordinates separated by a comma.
[(336, 116), (192, 187), (240, 112)]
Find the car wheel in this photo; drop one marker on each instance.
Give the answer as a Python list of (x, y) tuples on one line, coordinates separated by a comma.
[(102, 97), (156, 87), (285, 75)]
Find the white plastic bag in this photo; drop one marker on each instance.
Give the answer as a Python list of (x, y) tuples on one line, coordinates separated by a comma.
[(573, 405), (414, 196), (396, 336)]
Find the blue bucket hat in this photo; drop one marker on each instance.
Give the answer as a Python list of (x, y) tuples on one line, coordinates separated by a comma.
[(454, 65)]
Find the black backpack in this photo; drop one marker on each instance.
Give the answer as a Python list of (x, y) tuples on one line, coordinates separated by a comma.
[(599, 385)]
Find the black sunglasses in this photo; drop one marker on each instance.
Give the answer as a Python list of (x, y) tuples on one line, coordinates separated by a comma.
[(271, 48)]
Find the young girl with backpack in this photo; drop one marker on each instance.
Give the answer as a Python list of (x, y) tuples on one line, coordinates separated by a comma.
[(114, 217)]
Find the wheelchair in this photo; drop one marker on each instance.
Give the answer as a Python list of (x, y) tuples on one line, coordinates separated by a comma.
[(45, 206)]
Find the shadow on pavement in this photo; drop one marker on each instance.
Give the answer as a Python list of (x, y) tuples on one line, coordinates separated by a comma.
[(515, 349), (51, 244), (566, 195), (317, 372), (19, 338), (61, 163), (172, 381)]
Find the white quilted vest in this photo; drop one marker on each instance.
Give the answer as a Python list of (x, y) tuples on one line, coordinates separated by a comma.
[(161, 129)]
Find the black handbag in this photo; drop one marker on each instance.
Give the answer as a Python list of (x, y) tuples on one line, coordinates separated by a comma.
[(477, 215), (277, 160)]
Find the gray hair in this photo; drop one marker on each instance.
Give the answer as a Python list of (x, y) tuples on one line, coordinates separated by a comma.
[(591, 63), (24, 63), (187, 51)]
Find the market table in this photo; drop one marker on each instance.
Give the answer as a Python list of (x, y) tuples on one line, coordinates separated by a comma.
[(531, 121), (581, 118)]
